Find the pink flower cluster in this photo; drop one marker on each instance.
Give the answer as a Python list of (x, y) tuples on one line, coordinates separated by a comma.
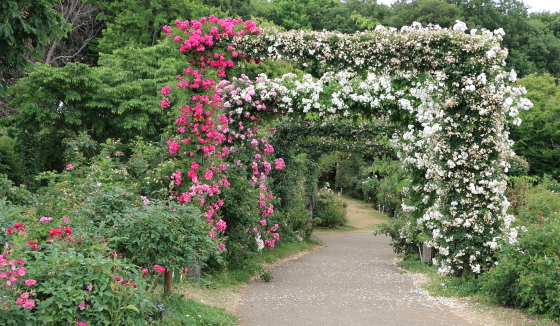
[(220, 29), (124, 282), (18, 227), (241, 92), (177, 177), (202, 130), (11, 271)]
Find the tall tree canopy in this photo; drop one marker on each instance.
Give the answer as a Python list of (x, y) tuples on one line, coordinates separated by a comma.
[(25, 26)]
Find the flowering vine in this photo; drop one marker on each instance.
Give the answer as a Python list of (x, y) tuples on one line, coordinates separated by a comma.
[(446, 86), (207, 133)]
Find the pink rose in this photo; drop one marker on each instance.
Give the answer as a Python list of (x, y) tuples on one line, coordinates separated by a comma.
[(29, 304)]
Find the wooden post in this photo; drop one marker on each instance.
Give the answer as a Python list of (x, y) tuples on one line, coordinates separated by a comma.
[(167, 281), (426, 253), (541, 219)]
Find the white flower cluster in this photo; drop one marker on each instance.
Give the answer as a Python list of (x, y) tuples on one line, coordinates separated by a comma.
[(451, 90)]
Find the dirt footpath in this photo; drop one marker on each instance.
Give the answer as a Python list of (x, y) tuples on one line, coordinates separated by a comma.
[(351, 281)]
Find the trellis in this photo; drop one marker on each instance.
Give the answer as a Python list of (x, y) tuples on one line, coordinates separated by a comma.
[(447, 87)]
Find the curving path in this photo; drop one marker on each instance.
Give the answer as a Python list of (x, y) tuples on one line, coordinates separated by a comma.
[(351, 281)]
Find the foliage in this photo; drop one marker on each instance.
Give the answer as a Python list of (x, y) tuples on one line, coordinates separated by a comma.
[(157, 234), (386, 184), (320, 14), (100, 200), (542, 197), (527, 274), (294, 186), (330, 211), (12, 193), (137, 23), (117, 100), (424, 11), (181, 311), (9, 213), (72, 283), (403, 235), (25, 27), (348, 174), (8, 158), (28, 145), (537, 138)]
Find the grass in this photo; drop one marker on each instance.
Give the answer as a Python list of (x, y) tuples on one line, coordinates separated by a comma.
[(284, 250), (362, 217), (468, 289), (181, 311)]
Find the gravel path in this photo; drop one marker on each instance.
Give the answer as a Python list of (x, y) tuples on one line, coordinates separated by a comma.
[(351, 281)]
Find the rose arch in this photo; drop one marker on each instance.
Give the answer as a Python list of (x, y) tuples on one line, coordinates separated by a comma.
[(446, 86)]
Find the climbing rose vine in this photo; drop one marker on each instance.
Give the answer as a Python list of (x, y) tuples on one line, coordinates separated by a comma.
[(446, 86), (207, 133)]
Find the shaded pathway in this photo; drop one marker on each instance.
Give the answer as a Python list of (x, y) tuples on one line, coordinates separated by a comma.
[(352, 281)]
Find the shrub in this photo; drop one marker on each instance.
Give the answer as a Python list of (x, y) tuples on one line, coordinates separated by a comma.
[(85, 283), (401, 230), (158, 234), (8, 190), (544, 198), (330, 209), (527, 274), (9, 214)]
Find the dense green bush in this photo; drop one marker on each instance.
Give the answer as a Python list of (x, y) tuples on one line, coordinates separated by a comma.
[(329, 209), (158, 234), (9, 164), (69, 282), (543, 197), (527, 274), (383, 183), (9, 191), (293, 187), (401, 230)]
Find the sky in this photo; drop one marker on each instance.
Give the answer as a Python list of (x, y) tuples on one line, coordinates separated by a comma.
[(535, 5)]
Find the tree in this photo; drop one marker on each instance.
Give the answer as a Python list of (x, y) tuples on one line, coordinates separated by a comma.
[(436, 12), (24, 29), (537, 138), (85, 27), (234, 8), (138, 22), (290, 14), (119, 99)]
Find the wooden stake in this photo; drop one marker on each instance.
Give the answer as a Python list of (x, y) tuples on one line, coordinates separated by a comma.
[(541, 219), (167, 281)]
